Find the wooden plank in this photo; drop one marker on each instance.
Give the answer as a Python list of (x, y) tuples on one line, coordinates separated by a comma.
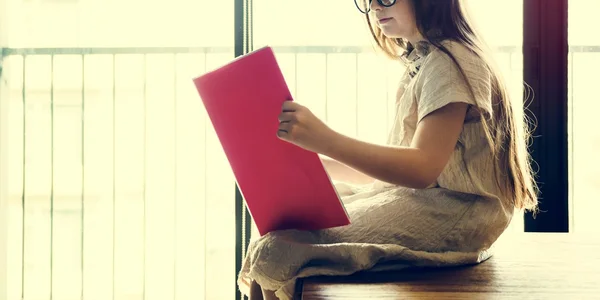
[(527, 266)]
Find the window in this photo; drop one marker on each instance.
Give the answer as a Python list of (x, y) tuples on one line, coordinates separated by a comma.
[(584, 61), (325, 48), (118, 186)]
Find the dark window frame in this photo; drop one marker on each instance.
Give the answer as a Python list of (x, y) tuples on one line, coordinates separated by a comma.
[(243, 222), (545, 70)]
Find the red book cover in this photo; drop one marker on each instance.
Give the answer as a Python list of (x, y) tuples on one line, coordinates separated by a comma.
[(284, 186)]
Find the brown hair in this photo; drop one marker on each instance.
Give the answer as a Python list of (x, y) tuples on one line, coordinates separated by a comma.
[(506, 131)]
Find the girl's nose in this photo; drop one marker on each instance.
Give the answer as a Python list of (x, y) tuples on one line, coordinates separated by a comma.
[(375, 5)]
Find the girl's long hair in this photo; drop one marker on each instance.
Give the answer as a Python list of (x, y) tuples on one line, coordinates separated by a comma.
[(507, 131)]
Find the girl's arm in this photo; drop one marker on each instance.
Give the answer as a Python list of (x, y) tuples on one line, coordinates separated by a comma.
[(341, 172), (416, 166)]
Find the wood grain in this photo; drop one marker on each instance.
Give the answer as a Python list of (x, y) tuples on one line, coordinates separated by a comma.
[(525, 266)]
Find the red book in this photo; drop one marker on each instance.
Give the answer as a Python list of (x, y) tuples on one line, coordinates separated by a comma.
[(283, 185)]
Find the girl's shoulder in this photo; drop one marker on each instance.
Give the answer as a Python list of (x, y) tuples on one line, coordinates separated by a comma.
[(447, 62), (441, 75), (463, 55)]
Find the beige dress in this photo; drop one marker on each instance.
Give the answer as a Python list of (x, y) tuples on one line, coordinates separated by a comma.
[(455, 221)]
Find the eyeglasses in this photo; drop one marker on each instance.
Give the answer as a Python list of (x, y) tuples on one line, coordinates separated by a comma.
[(365, 5)]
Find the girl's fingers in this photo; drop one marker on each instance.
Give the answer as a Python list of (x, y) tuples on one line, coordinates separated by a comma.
[(286, 117), (285, 125), (284, 129), (290, 106)]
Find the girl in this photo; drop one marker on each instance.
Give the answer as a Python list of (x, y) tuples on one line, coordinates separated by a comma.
[(445, 186)]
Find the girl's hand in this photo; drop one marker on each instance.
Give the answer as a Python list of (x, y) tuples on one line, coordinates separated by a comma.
[(299, 126)]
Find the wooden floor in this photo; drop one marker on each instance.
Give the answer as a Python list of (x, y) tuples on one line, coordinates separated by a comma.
[(531, 266)]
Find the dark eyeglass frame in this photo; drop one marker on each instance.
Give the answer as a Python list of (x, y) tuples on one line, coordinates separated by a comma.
[(371, 1)]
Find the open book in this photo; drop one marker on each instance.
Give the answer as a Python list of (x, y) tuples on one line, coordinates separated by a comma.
[(284, 186)]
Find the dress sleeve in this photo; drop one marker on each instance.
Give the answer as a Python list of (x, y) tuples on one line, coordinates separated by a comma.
[(440, 83)]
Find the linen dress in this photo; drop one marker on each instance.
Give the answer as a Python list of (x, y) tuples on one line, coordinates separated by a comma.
[(454, 221)]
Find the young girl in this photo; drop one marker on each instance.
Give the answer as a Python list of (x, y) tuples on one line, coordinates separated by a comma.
[(445, 186)]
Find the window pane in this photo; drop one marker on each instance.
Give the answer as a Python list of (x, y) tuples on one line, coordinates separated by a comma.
[(584, 137), (126, 23), (326, 53), (127, 194)]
